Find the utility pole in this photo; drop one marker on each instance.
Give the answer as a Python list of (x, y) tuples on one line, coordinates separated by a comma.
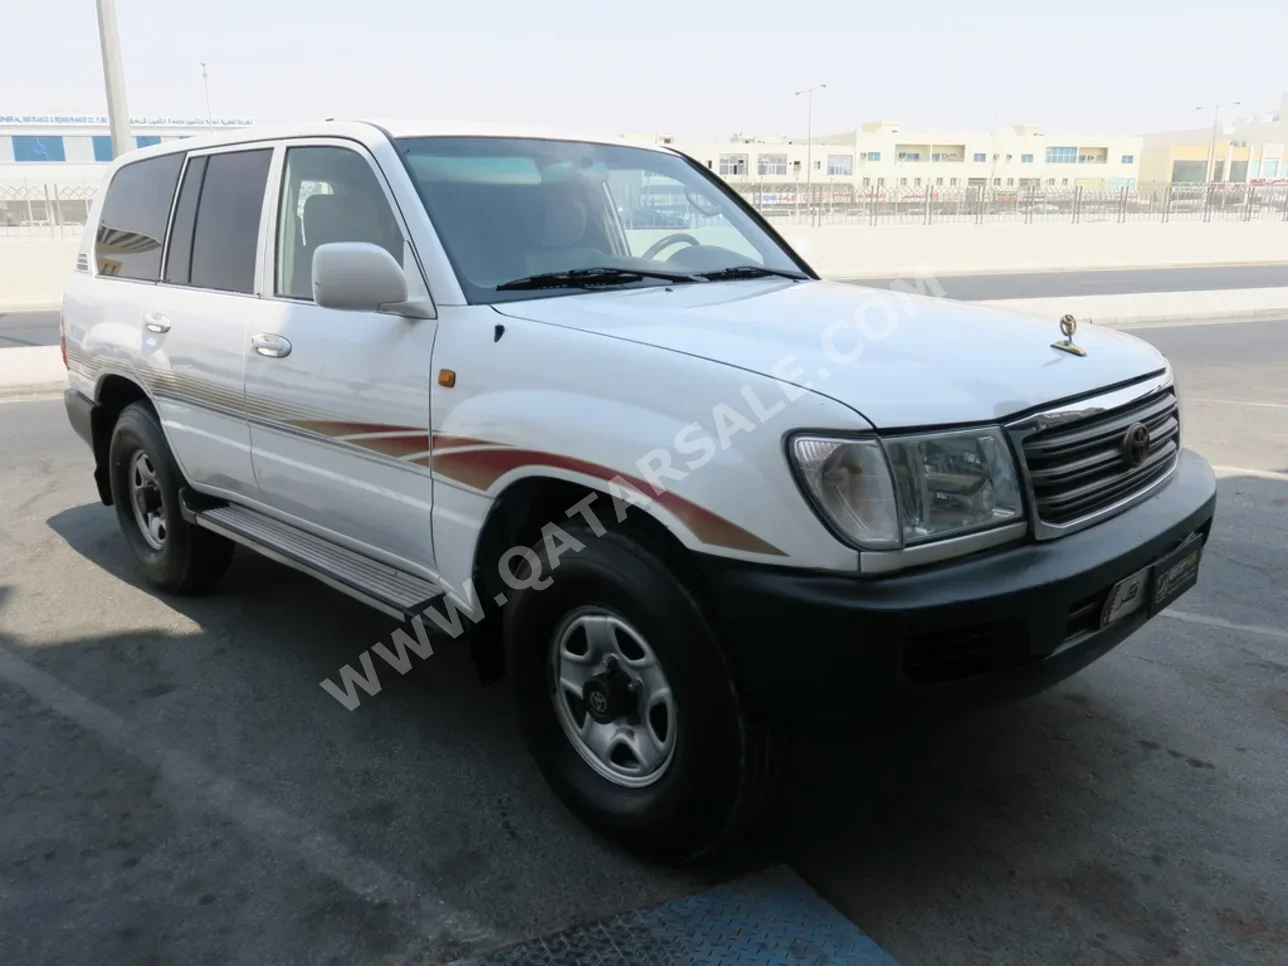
[(118, 115), (205, 79), (1216, 123), (809, 132)]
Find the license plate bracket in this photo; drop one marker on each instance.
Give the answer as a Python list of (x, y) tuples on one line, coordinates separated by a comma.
[(1155, 586), (1126, 597), (1175, 573)]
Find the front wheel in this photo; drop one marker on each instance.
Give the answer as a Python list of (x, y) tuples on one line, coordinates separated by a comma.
[(628, 705)]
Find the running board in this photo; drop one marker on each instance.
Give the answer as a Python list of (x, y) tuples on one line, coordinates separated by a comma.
[(392, 591)]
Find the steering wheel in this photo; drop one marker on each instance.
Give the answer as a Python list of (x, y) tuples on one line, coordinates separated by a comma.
[(667, 242)]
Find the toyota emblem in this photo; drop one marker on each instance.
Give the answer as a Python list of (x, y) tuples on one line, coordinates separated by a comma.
[(598, 703), (1136, 445)]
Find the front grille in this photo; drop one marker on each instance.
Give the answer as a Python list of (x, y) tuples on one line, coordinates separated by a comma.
[(1077, 470), (952, 655)]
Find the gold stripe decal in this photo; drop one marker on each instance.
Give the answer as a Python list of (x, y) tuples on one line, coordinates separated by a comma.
[(480, 469), (472, 462)]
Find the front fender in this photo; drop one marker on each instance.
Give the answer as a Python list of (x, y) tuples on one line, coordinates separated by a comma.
[(697, 444)]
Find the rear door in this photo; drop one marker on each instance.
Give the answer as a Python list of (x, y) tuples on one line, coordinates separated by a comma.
[(104, 315), (339, 400), (194, 349)]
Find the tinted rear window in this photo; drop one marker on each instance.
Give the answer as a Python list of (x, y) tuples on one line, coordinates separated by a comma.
[(131, 229), (178, 264), (226, 238)]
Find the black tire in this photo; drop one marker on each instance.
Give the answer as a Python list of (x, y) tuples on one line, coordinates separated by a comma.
[(714, 788), (191, 560)]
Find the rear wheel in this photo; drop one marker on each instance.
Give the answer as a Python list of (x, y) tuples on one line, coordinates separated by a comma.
[(175, 555), (628, 706)]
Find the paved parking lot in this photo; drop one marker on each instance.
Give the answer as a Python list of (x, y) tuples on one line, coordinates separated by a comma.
[(28, 328), (176, 788)]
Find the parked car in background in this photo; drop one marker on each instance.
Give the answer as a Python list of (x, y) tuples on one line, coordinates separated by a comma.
[(643, 216)]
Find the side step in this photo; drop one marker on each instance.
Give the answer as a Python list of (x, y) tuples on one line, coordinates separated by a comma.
[(395, 592)]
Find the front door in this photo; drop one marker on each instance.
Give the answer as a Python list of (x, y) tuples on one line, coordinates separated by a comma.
[(338, 401)]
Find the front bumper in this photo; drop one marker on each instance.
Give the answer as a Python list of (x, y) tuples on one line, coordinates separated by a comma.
[(831, 648)]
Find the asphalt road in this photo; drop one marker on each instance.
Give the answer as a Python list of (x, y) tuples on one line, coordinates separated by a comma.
[(1025, 285), (41, 328), (28, 328), (176, 788)]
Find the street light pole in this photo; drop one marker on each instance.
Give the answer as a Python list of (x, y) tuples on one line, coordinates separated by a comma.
[(205, 79), (1216, 122), (118, 116), (809, 132)]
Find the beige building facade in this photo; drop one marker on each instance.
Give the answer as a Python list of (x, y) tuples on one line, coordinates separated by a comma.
[(885, 154), (1248, 149)]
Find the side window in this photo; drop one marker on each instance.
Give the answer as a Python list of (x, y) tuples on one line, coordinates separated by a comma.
[(178, 263), (131, 227), (225, 234), (329, 194)]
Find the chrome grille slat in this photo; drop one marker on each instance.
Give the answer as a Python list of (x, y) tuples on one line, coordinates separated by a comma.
[(1086, 498), (1100, 458), (1096, 430), (1076, 470), (1098, 443)]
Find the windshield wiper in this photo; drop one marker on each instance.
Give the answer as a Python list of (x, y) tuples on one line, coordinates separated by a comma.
[(749, 271), (581, 277)]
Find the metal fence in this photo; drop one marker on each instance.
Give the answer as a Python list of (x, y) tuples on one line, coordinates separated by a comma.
[(846, 204), (50, 210), (62, 210)]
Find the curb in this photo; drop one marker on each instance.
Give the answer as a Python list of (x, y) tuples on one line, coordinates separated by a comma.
[(47, 390), (1243, 315), (1055, 269), (29, 371), (8, 307)]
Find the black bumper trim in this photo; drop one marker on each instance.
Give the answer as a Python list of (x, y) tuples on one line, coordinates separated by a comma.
[(817, 647), (84, 414), (80, 412)]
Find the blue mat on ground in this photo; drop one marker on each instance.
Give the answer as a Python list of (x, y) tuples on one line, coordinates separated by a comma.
[(771, 918)]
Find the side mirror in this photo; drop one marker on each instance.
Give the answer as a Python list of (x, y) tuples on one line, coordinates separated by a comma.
[(361, 277)]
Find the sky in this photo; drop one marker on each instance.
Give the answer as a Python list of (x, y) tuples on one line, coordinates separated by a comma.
[(697, 69)]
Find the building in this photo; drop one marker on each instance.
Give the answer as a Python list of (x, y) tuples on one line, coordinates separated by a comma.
[(1247, 149), (71, 151), (884, 154)]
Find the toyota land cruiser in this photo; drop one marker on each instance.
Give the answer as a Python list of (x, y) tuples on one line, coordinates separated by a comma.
[(679, 490)]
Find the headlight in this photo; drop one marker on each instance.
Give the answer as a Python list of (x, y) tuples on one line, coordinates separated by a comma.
[(885, 494), (851, 482)]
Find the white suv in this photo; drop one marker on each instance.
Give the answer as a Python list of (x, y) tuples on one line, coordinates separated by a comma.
[(676, 488)]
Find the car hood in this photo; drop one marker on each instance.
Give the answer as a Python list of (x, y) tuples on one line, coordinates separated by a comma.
[(899, 360)]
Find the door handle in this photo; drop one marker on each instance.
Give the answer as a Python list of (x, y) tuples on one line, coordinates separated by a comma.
[(156, 322), (273, 346)]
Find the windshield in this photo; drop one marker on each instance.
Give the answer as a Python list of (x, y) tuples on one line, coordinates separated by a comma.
[(509, 209)]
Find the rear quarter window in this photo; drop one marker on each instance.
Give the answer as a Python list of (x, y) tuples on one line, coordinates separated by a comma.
[(131, 228)]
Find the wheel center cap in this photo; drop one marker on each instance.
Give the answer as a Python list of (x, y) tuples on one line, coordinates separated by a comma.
[(608, 696)]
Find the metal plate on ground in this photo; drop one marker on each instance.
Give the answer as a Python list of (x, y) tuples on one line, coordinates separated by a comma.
[(768, 919)]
